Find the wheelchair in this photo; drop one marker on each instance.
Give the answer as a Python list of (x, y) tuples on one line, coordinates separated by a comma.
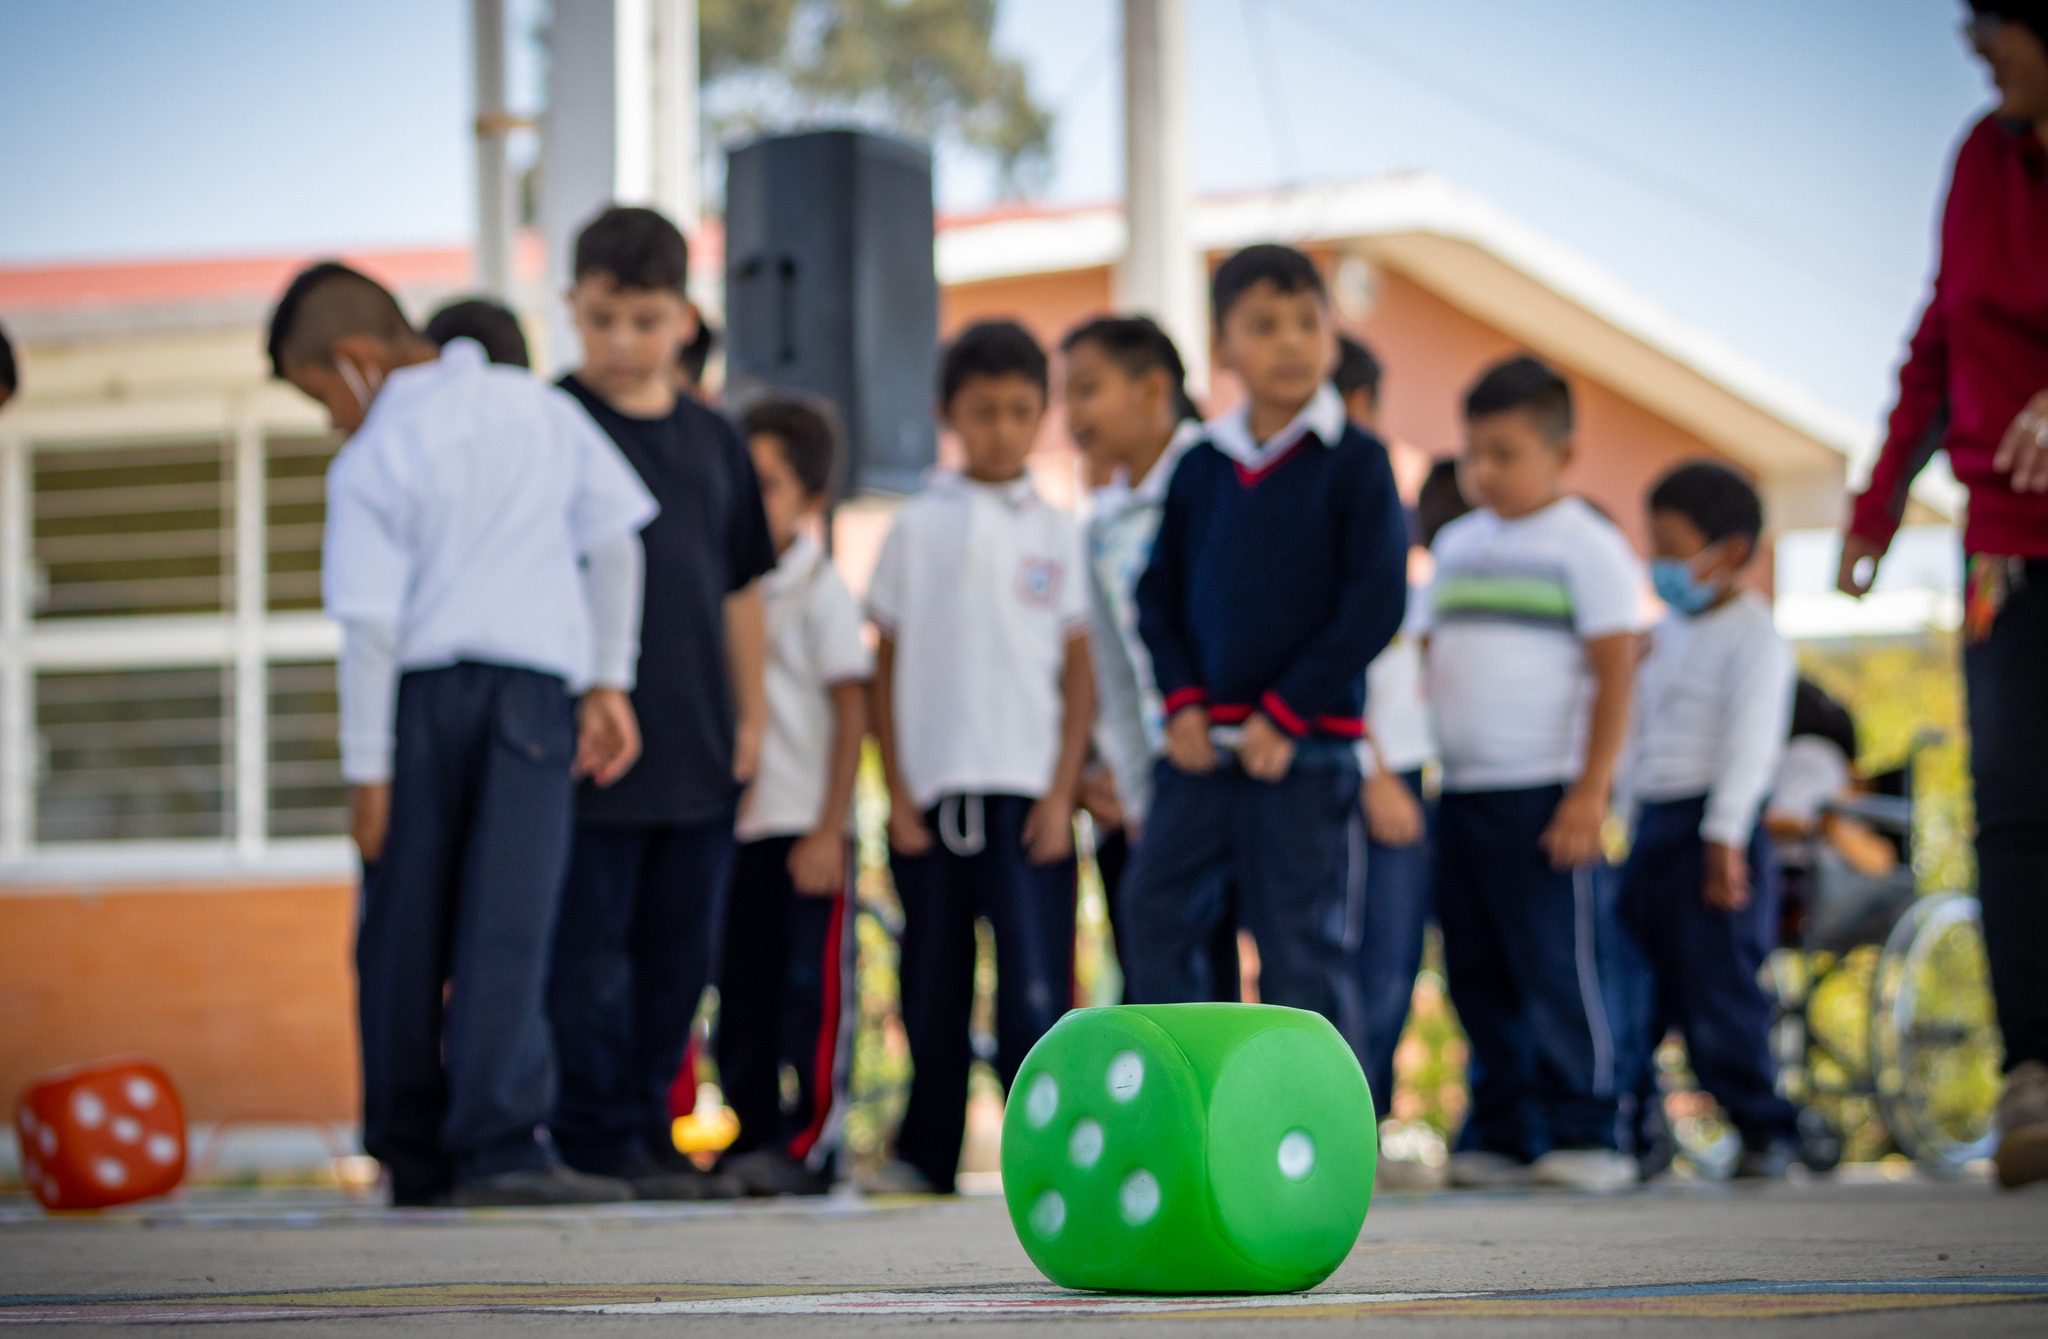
[(1883, 992)]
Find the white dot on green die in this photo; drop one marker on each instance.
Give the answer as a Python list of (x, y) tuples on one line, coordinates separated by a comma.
[(1084, 1146), (1297, 1155), (1139, 1197), (1043, 1100), (1049, 1215), (1126, 1075)]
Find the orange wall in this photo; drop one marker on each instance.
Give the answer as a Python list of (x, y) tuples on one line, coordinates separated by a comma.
[(245, 995)]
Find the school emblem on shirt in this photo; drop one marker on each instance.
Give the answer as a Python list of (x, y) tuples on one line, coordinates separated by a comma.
[(1038, 581)]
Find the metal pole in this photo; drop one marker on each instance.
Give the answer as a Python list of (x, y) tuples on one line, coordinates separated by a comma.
[(676, 190), (496, 210), (1162, 274)]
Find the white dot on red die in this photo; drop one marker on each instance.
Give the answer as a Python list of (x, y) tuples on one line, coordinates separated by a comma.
[(87, 1108), (141, 1092), (161, 1148), (46, 1139), (26, 1119), (52, 1192), (127, 1129), (109, 1171), (30, 1170)]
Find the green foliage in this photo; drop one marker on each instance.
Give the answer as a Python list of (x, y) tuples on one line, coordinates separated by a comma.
[(922, 68)]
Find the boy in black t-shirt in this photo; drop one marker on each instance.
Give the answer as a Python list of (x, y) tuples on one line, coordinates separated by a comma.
[(645, 899)]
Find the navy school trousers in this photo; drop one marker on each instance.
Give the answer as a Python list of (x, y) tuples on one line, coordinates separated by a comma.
[(1698, 970), (786, 1002), (639, 932), (1283, 847), (977, 868), (456, 916), (1538, 969)]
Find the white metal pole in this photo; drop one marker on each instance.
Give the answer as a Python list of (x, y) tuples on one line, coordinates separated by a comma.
[(17, 728), (496, 211), (1162, 274), (675, 148), (251, 678)]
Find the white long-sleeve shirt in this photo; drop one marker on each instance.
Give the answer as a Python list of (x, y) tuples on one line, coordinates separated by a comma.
[(1713, 702), (478, 514)]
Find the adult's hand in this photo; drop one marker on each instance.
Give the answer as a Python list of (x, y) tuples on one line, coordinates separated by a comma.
[(2023, 451), (1850, 579)]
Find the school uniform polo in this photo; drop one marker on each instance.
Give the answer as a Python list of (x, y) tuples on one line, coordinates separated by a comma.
[(1536, 959), (981, 587), (460, 517), (786, 980), (1713, 703)]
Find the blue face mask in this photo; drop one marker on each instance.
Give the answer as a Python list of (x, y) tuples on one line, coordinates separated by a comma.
[(1676, 586)]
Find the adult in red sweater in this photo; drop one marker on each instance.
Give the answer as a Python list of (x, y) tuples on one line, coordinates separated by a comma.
[(1975, 383)]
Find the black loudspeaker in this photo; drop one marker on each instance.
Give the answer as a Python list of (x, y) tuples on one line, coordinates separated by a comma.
[(830, 288)]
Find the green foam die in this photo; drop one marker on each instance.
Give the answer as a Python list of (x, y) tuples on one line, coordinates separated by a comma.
[(1199, 1148)]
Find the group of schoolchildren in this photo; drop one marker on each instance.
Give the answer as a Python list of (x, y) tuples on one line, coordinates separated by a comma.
[(604, 697)]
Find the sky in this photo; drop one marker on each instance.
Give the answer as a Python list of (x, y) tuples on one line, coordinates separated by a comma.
[(1766, 170)]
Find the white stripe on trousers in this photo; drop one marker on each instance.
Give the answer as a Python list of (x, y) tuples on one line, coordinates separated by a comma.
[(1585, 954)]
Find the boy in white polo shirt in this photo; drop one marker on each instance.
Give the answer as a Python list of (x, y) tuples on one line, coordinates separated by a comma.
[(983, 701), (1699, 892), (785, 985), (483, 560), (1530, 658)]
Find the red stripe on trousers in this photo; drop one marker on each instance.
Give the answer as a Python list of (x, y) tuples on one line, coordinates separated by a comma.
[(823, 1091)]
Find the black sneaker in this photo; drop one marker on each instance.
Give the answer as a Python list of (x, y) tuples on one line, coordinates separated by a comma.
[(1820, 1143), (556, 1185), (684, 1184), (770, 1171)]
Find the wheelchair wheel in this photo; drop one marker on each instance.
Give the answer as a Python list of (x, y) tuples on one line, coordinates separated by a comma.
[(1933, 1038)]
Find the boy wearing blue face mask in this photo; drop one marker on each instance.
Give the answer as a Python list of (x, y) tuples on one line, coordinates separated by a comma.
[(1715, 698)]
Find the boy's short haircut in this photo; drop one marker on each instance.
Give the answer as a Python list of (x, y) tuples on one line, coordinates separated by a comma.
[(1264, 263), (323, 303), (991, 349), (491, 324), (1137, 345), (1530, 385), (1720, 503), (1439, 501), (1357, 369), (807, 431), (635, 248), (695, 356), (10, 375), (1816, 712)]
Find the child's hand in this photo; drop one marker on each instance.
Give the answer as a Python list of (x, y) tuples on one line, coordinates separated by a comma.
[(746, 750), (1187, 741), (1099, 798), (1573, 837), (817, 864), (369, 818), (1266, 751), (907, 833), (1392, 813), (1727, 878), (607, 736), (1049, 830)]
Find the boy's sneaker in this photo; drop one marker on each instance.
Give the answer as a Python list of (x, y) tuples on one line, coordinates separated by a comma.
[(2022, 1154), (770, 1171), (1820, 1143), (685, 1184), (1600, 1171), (556, 1185), (898, 1178), (1765, 1162), (1477, 1169)]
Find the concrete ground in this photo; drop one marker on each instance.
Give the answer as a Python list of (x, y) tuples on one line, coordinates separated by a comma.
[(1860, 1257)]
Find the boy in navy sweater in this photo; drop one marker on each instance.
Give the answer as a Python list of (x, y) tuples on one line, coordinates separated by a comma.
[(1279, 572)]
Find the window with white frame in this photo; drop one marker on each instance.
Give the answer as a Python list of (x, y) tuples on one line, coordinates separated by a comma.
[(166, 679)]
